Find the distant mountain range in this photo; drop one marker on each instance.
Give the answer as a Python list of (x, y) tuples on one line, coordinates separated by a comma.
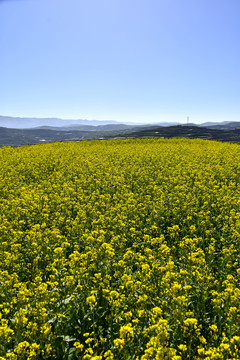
[(19, 131), (53, 123), (83, 124), (26, 123)]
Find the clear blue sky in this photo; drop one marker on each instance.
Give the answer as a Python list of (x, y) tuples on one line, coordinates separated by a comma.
[(124, 60)]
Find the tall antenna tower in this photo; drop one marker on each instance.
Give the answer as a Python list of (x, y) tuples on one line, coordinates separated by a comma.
[(187, 120)]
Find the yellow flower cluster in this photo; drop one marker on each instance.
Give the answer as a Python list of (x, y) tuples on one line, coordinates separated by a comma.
[(120, 249)]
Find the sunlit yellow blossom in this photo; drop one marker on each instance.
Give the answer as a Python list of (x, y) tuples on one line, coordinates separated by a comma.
[(182, 347), (91, 300), (120, 249)]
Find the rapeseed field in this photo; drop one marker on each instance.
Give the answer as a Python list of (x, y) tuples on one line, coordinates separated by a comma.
[(120, 249)]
